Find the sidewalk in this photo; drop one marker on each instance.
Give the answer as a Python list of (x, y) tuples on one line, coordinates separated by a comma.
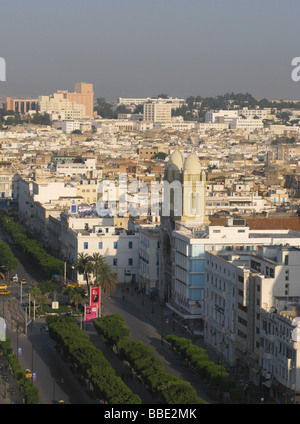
[(10, 389)]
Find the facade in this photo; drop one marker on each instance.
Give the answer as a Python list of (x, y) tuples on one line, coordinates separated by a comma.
[(61, 107), (247, 124), (221, 116), (70, 125), (157, 112), (21, 106), (187, 276), (248, 316), (8, 187), (84, 167), (148, 257), (91, 234), (83, 94)]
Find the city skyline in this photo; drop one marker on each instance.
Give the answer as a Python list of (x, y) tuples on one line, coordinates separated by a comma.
[(137, 49)]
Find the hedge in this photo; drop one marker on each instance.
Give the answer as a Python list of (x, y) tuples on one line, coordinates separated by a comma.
[(112, 328), (171, 389), (90, 361), (48, 263), (216, 375)]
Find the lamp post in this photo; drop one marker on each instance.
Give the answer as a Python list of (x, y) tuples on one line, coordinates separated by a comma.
[(187, 330)]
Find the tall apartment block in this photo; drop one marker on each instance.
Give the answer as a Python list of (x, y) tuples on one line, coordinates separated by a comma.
[(83, 95), (157, 112)]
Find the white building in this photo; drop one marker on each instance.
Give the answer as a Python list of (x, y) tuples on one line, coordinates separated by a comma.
[(84, 167), (188, 268), (221, 116), (148, 257), (92, 234), (247, 124), (157, 112), (58, 105), (35, 197), (246, 301)]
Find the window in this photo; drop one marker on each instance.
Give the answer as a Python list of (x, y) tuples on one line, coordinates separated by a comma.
[(85, 245), (115, 262), (130, 245), (130, 261), (115, 244), (100, 245)]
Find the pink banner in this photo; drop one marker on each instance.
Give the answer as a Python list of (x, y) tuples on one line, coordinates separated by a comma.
[(91, 312)]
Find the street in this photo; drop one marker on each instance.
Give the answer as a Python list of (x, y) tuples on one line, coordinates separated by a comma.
[(54, 377)]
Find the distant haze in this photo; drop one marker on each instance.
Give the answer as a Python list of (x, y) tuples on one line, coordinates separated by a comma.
[(138, 48)]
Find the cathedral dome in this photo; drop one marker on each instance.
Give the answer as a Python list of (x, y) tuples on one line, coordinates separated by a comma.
[(192, 164), (176, 160)]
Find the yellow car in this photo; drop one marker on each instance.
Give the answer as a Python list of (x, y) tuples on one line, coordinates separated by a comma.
[(28, 373), (4, 292), (73, 285), (23, 281), (3, 287)]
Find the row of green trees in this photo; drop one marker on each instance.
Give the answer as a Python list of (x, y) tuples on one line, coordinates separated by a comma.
[(170, 389), (31, 393), (216, 375), (90, 361), (35, 250), (8, 261)]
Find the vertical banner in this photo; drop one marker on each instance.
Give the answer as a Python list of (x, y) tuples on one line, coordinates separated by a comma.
[(96, 297), (91, 312)]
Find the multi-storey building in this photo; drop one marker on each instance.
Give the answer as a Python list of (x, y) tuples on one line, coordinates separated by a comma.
[(91, 234), (157, 112), (187, 266), (21, 106), (246, 301), (61, 107), (148, 257)]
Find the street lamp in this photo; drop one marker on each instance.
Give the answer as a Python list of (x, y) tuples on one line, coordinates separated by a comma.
[(187, 330)]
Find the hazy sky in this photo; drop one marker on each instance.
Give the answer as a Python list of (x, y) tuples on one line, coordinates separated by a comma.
[(139, 48)]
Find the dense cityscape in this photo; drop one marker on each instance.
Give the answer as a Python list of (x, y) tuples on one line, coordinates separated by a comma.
[(223, 267), (149, 246)]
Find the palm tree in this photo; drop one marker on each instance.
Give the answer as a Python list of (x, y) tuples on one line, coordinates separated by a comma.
[(35, 292), (97, 260), (75, 295), (108, 279), (83, 265), (42, 300)]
